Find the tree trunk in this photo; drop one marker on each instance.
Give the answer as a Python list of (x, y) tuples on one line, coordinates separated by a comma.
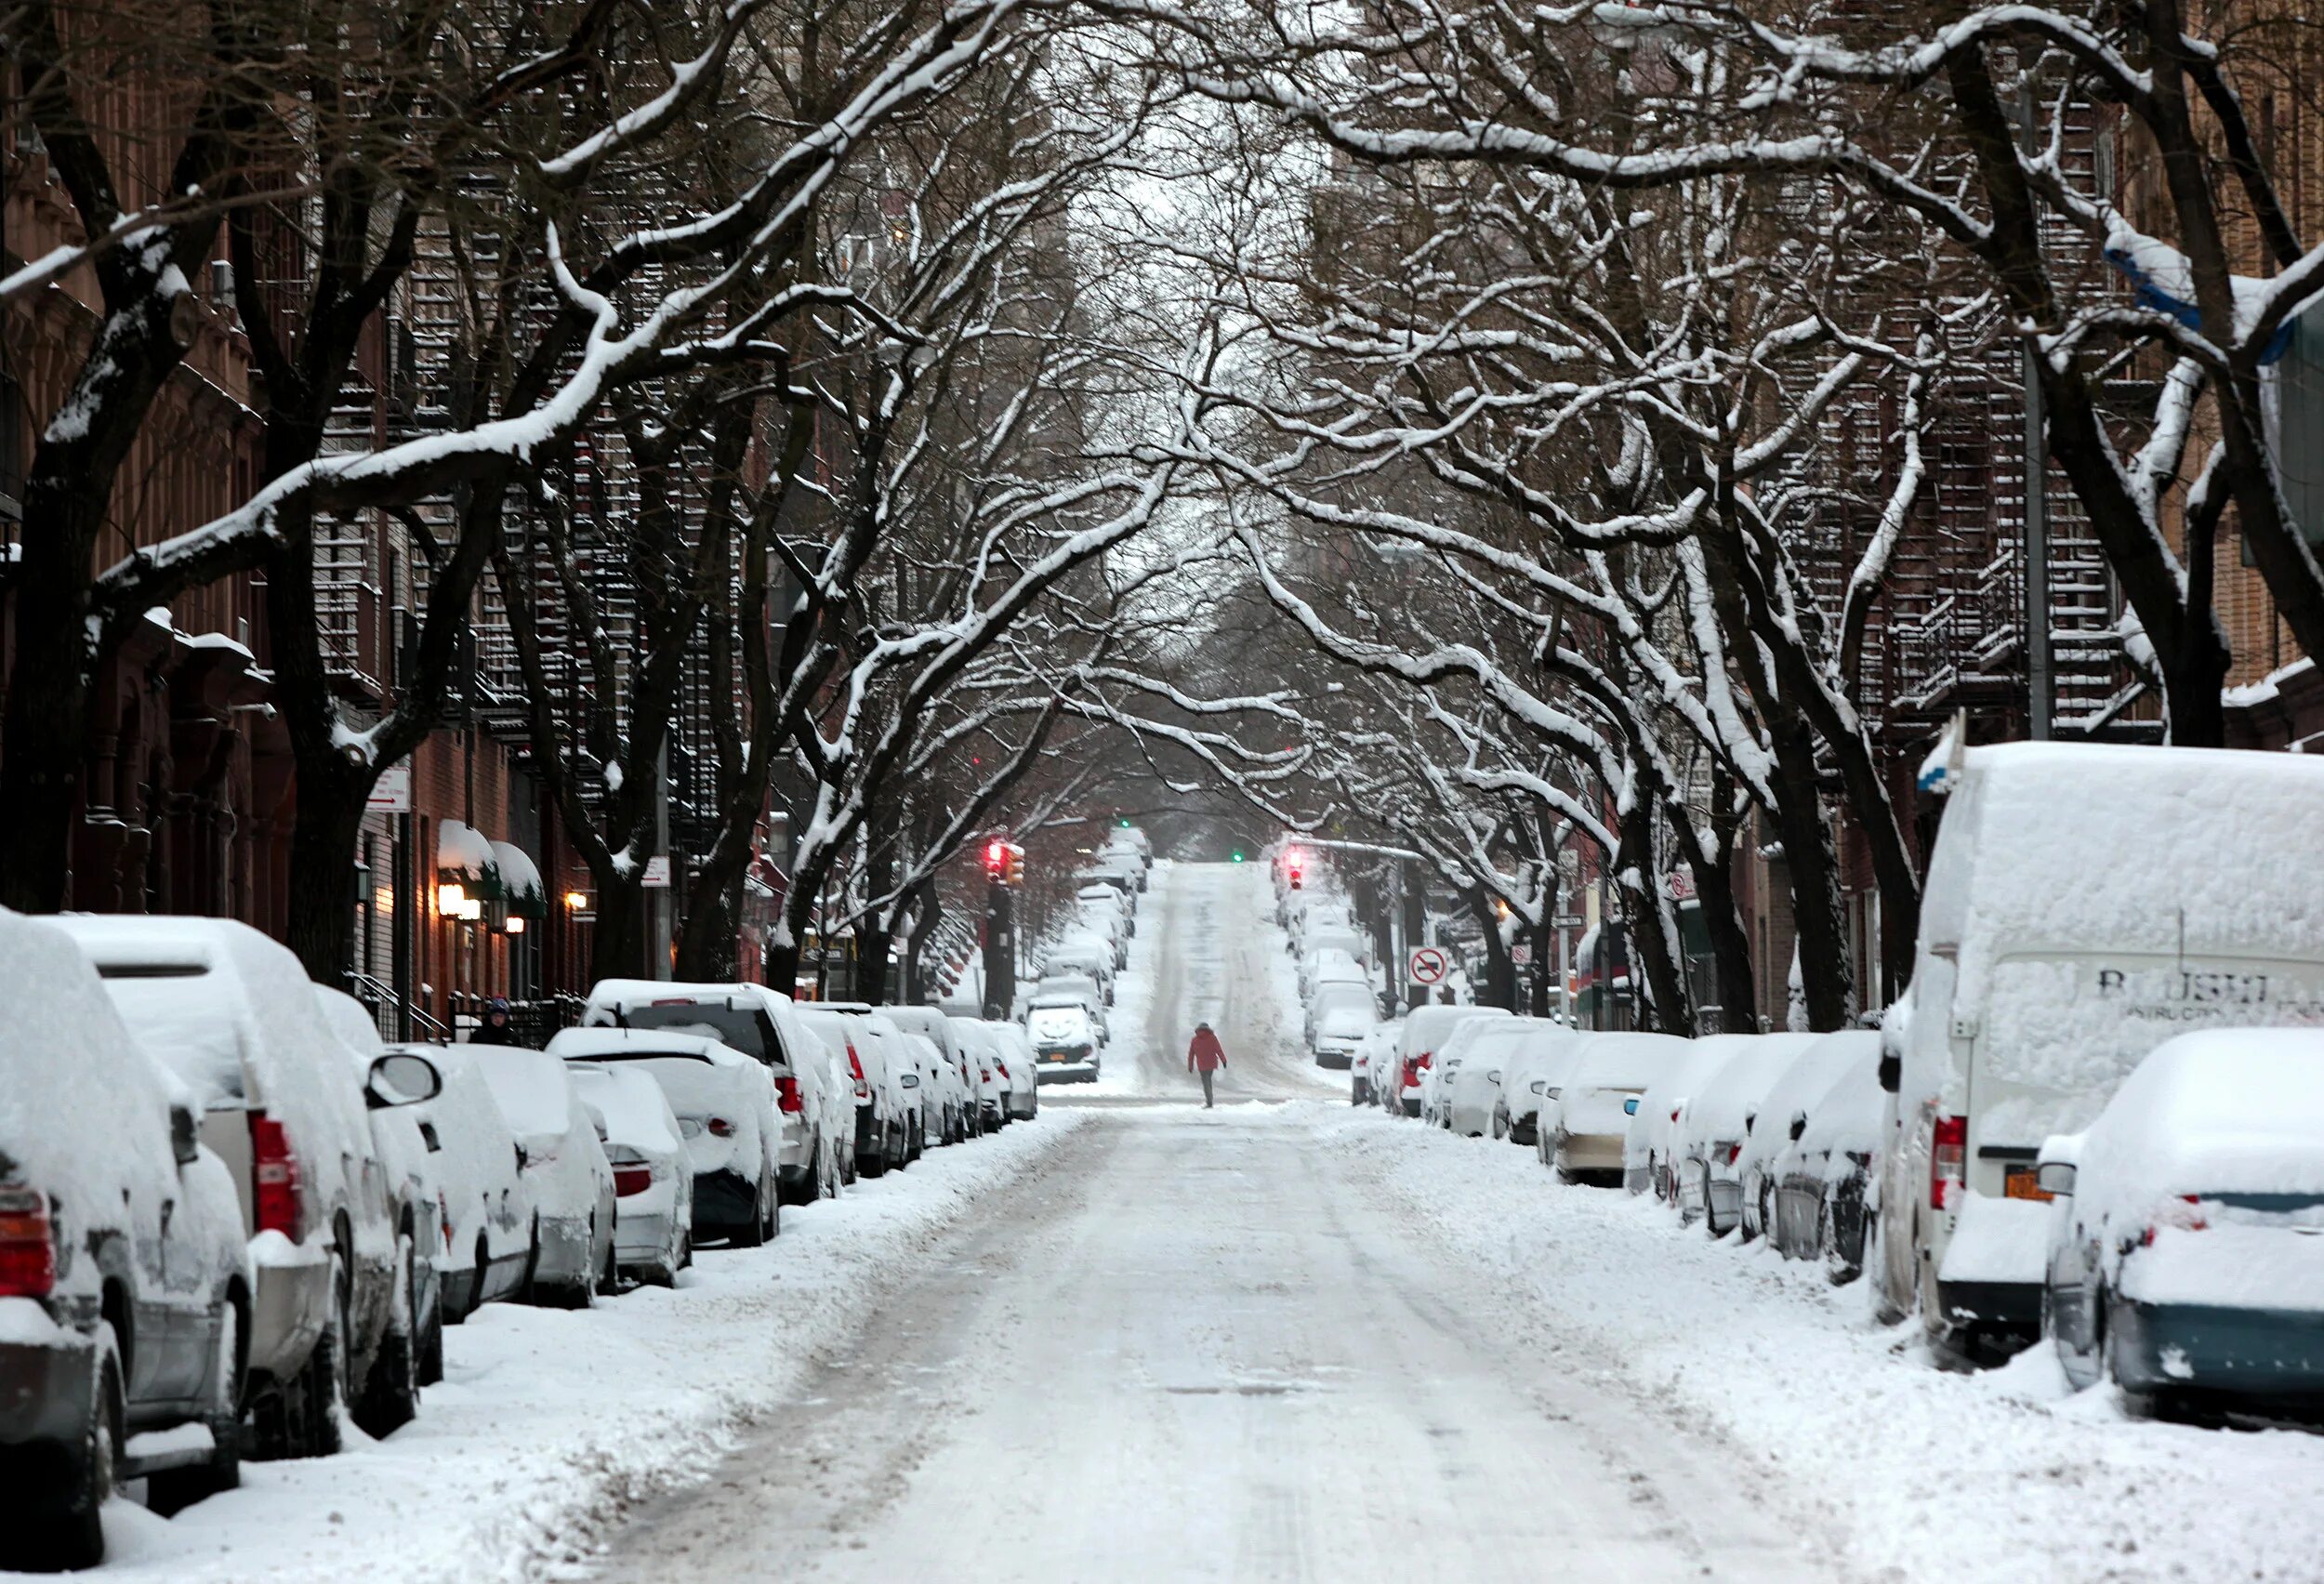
[(708, 934), (1500, 974), (618, 944), (1654, 954)]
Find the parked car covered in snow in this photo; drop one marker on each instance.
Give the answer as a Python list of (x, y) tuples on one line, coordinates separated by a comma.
[(763, 1025), (1650, 1150), (1339, 1015), (1602, 1094), (846, 1027), (1712, 1130), (1426, 1029), (960, 1086), (924, 1080), (124, 1276), (725, 1104), (1784, 1115), (991, 1061), (2056, 950), (234, 1017), (654, 1180), (1083, 952), (1375, 1051), (1079, 987), (564, 1166), (1025, 1083), (485, 1215), (412, 1354), (1824, 1178), (1064, 1040), (1534, 1055), (2185, 1255)]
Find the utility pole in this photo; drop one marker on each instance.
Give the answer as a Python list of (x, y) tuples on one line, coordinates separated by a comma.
[(2039, 689), (1415, 934)]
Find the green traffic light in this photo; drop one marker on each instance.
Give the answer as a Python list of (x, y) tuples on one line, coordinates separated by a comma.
[(1125, 822), (1238, 855)]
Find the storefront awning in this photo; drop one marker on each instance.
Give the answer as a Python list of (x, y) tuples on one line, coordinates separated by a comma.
[(520, 879), (464, 858)]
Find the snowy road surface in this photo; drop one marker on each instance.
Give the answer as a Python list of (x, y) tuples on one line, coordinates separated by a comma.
[(1191, 1350)]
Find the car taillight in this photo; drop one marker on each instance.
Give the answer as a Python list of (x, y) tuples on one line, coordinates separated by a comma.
[(1735, 1153), (719, 1127), (2169, 1215), (28, 1250), (629, 1179), (443, 1217), (1948, 1159), (786, 1092), (863, 1086), (984, 1074), (275, 1176), (1001, 1068)]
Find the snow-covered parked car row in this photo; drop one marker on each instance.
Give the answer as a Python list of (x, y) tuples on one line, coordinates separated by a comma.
[(2096, 1116), (1065, 1028), (229, 1213)]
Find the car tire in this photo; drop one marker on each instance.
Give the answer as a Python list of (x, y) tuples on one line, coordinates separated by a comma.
[(390, 1394), (326, 1373), (71, 1536), (871, 1166), (609, 1279)]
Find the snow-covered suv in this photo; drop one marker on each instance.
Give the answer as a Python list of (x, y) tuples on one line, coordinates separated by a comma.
[(234, 1017), (762, 1024), (125, 1284)]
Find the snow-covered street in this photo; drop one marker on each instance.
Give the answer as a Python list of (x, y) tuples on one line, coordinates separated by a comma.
[(1284, 1340)]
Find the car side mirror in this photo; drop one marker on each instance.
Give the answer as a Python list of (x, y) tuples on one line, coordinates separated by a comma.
[(1799, 1125), (2056, 1177), (1892, 1072), (185, 1140), (401, 1078)]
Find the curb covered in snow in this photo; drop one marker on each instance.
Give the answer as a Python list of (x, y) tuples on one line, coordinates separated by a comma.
[(550, 1427)]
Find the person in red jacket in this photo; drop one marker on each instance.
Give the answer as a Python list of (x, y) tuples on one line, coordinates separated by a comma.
[(1206, 1056)]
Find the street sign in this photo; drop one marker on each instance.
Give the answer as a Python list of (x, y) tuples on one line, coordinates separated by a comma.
[(1568, 921), (1429, 965), (1521, 953), (656, 873), (391, 794)]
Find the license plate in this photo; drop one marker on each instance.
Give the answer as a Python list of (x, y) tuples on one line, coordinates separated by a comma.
[(2019, 1182)]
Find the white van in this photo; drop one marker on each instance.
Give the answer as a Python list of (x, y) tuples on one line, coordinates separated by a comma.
[(2085, 902)]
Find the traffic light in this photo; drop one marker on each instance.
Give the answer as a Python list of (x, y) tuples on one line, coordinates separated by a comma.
[(995, 859), (1238, 855), (1125, 822), (1294, 866), (1016, 865)]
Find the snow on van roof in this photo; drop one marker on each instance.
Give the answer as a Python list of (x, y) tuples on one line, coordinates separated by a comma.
[(84, 1109), (2108, 845)]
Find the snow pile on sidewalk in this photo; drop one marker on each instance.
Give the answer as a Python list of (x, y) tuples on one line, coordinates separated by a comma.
[(1926, 1474), (550, 1427)]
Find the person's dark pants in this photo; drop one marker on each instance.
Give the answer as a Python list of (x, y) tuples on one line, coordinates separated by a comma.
[(1206, 1089)]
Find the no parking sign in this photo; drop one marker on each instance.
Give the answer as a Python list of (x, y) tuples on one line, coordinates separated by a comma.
[(1429, 965)]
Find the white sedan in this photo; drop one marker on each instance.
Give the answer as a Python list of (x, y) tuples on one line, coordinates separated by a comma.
[(654, 1181)]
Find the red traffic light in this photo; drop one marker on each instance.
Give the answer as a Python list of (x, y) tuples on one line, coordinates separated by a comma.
[(995, 857)]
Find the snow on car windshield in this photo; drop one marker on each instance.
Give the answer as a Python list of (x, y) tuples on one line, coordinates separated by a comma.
[(1059, 1023)]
